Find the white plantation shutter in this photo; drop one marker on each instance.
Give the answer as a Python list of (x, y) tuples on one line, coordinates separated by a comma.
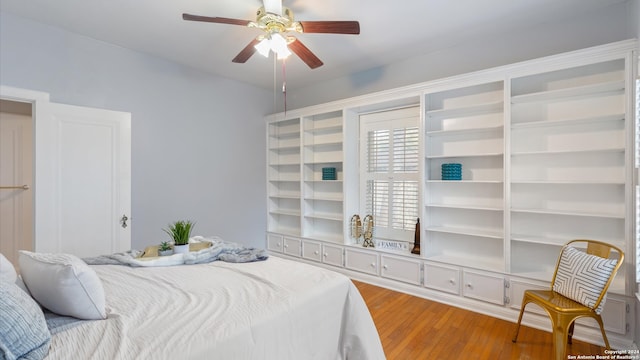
[(390, 175), (404, 206)]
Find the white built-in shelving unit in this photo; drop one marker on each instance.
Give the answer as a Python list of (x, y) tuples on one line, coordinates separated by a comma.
[(323, 199), (283, 177), (463, 219), (569, 163), (547, 154)]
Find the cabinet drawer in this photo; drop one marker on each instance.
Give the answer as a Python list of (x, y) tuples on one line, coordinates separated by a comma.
[(440, 277), (614, 316), (401, 269), (291, 246), (274, 242), (332, 255), (516, 293), (483, 286), (312, 250), (362, 261)]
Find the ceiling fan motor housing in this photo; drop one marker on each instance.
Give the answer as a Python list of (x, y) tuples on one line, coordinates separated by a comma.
[(275, 23)]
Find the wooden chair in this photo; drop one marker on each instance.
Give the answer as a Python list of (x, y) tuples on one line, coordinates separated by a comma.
[(569, 298)]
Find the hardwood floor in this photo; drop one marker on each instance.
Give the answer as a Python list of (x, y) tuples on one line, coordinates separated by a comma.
[(414, 328)]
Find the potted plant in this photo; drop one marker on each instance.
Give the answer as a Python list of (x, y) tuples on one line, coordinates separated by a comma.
[(165, 249), (180, 231)]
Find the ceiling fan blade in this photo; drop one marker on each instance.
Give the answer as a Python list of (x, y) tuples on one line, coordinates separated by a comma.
[(273, 6), (247, 52), (220, 20), (305, 54), (331, 27)]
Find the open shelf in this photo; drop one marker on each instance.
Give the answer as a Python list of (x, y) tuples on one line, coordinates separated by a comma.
[(466, 207), (569, 122), (496, 234), (472, 110), (465, 131), (592, 90)]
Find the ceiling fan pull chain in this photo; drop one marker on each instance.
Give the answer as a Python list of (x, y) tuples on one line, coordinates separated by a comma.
[(284, 84)]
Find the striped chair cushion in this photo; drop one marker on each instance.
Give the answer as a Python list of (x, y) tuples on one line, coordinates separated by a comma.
[(582, 277)]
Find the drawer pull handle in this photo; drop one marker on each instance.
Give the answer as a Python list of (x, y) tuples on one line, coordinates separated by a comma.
[(286, 246), (470, 286), (325, 254), (385, 267), (373, 264), (316, 252), (452, 282)]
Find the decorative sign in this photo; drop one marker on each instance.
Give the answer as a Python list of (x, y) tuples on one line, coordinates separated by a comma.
[(392, 245)]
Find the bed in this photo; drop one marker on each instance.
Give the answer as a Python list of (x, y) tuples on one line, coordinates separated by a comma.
[(271, 309)]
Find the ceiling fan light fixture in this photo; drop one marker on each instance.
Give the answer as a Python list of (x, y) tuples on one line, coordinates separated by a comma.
[(264, 47), (274, 42), (279, 46), (284, 53)]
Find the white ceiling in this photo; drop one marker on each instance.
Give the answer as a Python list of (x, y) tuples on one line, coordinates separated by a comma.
[(390, 31)]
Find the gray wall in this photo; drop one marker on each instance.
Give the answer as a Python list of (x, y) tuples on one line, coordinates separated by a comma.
[(614, 23), (634, 17), (197, 140)]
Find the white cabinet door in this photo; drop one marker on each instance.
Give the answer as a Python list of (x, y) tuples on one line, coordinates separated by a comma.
[(442, 277), (274, 242), (614, 316), (362, 261), (332, 255), (312, 250), (82, 180), (516, 293), (291, 246), (483, 286), (401, 269)]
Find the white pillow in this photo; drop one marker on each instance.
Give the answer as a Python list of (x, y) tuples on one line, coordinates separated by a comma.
[(64, 284), (7, 271)]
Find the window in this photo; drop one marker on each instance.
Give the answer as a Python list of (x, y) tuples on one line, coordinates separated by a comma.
[(389, 168)]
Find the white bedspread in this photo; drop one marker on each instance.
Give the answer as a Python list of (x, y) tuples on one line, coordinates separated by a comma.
[(273, 309)]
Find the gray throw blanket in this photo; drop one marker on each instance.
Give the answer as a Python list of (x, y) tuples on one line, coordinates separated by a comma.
[(219, 250)]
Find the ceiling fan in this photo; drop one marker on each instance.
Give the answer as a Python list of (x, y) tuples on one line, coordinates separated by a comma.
[(277, 22)]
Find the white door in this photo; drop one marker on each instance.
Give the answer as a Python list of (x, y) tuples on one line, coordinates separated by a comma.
[(16, 179), (82, 180)]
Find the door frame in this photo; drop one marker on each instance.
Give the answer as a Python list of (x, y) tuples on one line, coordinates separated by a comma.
[(47, 235), (32, 97)]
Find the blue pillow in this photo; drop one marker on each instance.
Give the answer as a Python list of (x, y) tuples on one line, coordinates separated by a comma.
[(23, 329)]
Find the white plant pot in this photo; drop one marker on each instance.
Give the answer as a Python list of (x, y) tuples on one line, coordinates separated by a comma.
[(180, 249)]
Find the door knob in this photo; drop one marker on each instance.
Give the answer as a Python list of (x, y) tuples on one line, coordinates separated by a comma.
[(123, 221)]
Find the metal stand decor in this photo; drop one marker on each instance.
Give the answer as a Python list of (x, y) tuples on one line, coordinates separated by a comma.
[(416, 239), (368, 231), (365, 230), (356, 228)]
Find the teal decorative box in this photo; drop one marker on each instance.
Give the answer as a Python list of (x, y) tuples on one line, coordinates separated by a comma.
[(329, 173), (452, 171)]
